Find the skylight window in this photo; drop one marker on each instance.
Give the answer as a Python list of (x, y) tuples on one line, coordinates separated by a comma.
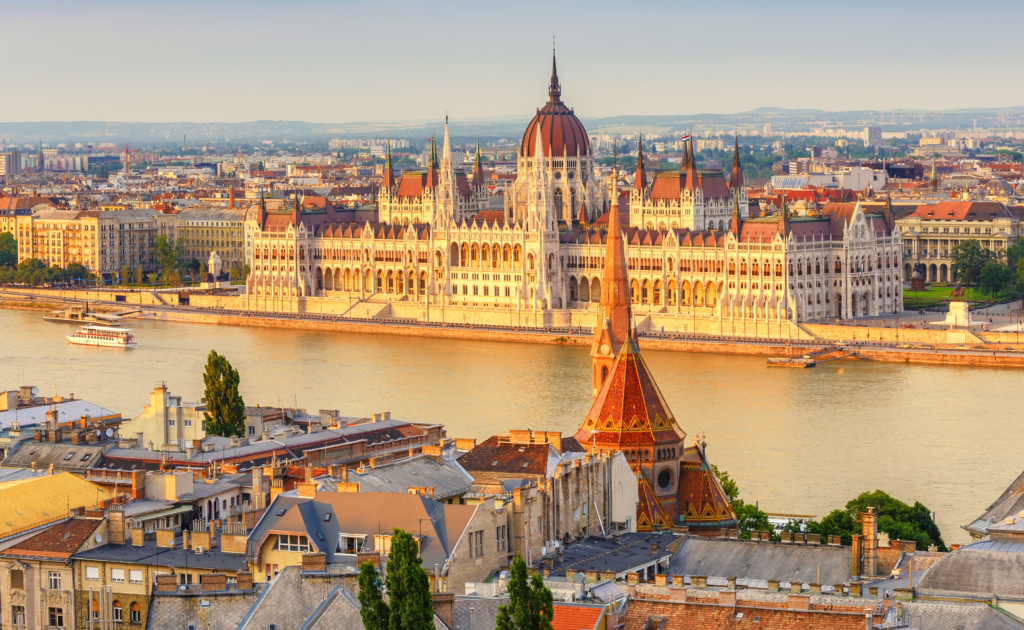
[(69, 456), (280, 512)]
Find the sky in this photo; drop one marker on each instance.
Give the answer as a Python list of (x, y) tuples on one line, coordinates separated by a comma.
[(338, 61)]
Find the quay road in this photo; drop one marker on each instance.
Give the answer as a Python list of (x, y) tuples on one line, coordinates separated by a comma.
[(580, 336)]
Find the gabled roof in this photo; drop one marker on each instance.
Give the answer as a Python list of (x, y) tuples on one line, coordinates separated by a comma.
[(702, 502), (59, 541), (962, 210), (668, 185), (751, 561), (448, 479)]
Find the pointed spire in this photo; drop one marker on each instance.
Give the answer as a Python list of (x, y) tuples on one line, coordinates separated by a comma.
[(446, 158), (389, 169), (784, 217), (478, 168), (554, 90), (263, 210), (737, 221), (691, 169), (935, 178), (296, 211), (640, 183), (736, 181)]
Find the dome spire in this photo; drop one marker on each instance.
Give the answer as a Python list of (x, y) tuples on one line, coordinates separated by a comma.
[(554, 90)]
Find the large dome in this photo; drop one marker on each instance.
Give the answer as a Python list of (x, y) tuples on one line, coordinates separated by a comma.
[(560, 131)]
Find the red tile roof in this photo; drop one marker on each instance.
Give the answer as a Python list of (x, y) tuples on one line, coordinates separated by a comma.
[(570, 617), (963, 210), (59, 541)]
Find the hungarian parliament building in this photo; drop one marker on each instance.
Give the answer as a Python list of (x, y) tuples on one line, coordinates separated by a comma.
[(442, 251)]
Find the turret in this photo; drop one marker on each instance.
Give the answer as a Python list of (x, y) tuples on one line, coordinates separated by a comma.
[(478, 168), (389, 170)]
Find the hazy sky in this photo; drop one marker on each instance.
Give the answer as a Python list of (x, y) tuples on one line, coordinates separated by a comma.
[(355, 61)]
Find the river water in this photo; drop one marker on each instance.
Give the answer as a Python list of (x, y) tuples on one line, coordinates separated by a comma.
[(796, 441)]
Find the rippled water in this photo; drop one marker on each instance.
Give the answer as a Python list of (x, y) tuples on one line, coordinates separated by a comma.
[(797, 441)]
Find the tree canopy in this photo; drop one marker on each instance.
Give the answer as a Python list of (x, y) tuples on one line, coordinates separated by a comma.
[(410, 605), (968, 259), (225, 410), (896, 518), (530, 605), (8, 250)]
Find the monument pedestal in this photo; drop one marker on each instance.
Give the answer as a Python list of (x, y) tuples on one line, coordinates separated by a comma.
[(917, 284), (959, 314)]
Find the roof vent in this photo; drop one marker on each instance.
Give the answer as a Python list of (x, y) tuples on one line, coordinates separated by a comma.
[(1009, 520)]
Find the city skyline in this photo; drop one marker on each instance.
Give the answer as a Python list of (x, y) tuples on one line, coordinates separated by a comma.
[(144, 64)]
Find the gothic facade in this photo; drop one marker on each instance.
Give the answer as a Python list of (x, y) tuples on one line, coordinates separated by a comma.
[(691, 255)]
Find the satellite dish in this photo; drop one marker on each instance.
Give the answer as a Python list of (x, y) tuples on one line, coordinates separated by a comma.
[(110, 432), (35, 390), (98, 433), (99, 538), (579, 577)]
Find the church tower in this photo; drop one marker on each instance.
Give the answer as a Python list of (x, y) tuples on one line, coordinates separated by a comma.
[(612, 327)]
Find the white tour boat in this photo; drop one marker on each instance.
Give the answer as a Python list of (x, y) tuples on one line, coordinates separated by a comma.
[(103, 336)]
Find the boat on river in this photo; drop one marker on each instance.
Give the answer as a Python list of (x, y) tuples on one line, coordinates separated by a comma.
[(103, 336), (82, 315)]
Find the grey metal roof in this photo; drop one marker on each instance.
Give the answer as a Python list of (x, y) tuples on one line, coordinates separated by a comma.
[(474, 613), (983, 568), (1009, 503), (448, 479), (17, 474), (27, 452), (150, 554), (67, 411), (600, 554), (936, 616), (761, 561), (211, 214)]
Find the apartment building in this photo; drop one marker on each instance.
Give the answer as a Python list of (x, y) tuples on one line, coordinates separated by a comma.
[(103, 242), (10, 162), (206, 230)]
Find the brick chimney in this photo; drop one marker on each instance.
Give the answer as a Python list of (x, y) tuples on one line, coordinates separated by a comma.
[(869, 521)]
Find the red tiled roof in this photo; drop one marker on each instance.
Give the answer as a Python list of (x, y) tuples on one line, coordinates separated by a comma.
[(59, 541), (570, 617), (963, 210)]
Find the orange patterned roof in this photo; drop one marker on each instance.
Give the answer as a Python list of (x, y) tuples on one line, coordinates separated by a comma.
[(629, 410), (650, 513), (702, 502)]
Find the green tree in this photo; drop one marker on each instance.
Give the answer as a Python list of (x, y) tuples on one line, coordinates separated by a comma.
[(897, 519), (8, 250), (530, 605), (728, 485), (125, 277), (411, 605), (968, 259), (138, 277), (169, 253), (225, 410), (994, 277), (374, 610), (1015, 253)]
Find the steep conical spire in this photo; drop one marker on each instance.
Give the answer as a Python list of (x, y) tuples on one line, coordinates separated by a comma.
[(446, 158), (691, 169), (935, 177), (737, 221), (554, 90), (736, 181), (389, 170), (613, 326), (640, 183), (686, 155), (478, 168)]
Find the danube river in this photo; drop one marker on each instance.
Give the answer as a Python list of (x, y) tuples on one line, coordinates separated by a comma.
[(797, 441)]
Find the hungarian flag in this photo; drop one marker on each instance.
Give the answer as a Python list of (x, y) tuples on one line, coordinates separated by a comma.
[(684, 138)]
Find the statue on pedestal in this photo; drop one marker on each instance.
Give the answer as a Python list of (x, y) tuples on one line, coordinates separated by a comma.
[(213, 267)]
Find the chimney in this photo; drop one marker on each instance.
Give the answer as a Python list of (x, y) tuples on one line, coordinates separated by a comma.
[(855, 561), (869, 520), (51, 469), (257, 488)]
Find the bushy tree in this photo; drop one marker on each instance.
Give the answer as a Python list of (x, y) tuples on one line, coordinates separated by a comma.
[(530, 605), (225, 410), (994, 277), (8, 250), (750, 518), (968, 259), (896, 518), (169, 253)]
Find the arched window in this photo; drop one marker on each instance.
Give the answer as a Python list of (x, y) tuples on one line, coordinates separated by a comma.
[(118, 611), (136, 616)]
